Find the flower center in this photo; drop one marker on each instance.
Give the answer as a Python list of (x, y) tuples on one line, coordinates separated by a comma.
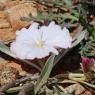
[(40, 43)]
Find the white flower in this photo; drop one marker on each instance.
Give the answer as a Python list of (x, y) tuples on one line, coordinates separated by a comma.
[(39, 42)]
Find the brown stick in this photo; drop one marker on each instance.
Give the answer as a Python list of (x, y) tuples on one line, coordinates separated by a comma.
[(11, 84)]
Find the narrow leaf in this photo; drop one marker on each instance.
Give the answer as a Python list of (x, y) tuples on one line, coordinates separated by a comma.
[(79, 38), (45, 73), (6, 50)]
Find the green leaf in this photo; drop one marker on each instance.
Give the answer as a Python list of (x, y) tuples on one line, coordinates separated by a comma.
[(45, 73), (5, 49), (69, 16), (14, 89), (79, 37), (68, 2), (93, 33)]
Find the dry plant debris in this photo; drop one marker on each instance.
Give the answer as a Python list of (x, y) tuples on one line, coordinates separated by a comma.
[(13, 17), (11, 13), (7, 73)]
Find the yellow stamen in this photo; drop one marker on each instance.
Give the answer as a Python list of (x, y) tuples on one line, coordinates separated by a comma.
[(39, 43)]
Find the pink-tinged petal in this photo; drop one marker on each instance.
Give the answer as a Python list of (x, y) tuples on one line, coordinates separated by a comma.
[(85, 63), (88, 64)]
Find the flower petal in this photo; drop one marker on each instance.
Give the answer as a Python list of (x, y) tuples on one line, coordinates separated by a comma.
[(21, 50), (61, 39), (49, 37)]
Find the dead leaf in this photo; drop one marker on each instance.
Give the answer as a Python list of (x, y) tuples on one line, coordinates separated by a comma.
[(4, 24), (15, 14), (2, 6), (7, 34), (3, 15), (7, 73)]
